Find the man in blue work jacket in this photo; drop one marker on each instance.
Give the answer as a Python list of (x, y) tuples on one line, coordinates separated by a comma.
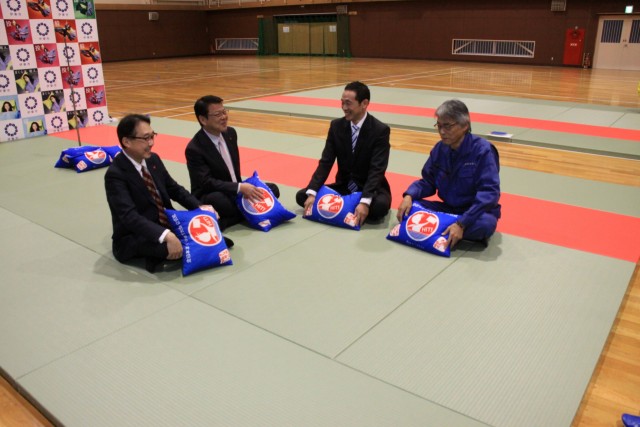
[(464, 170)]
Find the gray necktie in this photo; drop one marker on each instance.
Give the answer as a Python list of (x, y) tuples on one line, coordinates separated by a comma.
[(224, 152)]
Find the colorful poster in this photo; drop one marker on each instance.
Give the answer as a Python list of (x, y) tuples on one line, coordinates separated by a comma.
[(51, 77)]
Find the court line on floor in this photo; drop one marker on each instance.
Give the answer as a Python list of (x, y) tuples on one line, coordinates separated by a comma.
[(521, 122)]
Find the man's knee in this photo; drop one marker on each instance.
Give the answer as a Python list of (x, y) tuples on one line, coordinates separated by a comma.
[(274, 189), (301, 197)]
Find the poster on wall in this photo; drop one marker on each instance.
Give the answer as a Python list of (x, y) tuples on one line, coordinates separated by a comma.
[(51, 77)]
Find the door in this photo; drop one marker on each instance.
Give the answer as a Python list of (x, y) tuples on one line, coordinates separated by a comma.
[(330, 38), (618, 43), (573, 46), (316, 39)]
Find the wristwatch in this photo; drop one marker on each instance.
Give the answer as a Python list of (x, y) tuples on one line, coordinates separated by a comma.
[(460, 224)]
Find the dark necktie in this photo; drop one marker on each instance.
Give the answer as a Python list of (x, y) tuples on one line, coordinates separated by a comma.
[(148, 182)]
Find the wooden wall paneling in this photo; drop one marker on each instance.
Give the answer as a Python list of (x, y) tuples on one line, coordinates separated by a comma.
[(128, 34)]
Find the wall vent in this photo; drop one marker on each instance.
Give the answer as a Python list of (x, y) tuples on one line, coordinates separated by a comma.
[(511, 48), (236, 44), (558, 5)]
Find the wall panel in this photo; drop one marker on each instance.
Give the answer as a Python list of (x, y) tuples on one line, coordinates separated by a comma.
[(395, 29)]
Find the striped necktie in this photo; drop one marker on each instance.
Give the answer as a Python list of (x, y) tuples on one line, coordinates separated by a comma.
[(354, 136), (148, 182), (352, 186)]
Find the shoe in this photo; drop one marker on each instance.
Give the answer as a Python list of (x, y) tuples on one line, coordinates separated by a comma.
[(228, 242), (630, 420), (152, 263)]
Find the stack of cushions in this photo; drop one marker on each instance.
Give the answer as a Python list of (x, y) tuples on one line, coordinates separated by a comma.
[(266, 213), (330, 207), (86, 158), (423, 229), (203, 245)]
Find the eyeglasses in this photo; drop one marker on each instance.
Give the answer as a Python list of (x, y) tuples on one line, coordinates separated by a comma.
[(445, 126), (220, 113), (147, 138)]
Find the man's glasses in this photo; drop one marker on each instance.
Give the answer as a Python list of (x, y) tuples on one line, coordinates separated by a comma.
[(445, 126), (220, 113), (147, 138)]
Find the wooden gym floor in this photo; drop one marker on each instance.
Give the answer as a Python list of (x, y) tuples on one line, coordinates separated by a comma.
[(168, 88)]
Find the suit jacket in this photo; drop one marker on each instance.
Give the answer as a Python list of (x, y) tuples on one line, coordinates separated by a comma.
[(207, 170), (133, 212), (366, 166)]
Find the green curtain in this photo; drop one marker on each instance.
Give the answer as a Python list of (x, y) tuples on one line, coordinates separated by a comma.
[(344, 47), (267, 36)]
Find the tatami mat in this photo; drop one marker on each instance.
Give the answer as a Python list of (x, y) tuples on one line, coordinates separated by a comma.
[(326, 301), (501, 334), (311, 326), (192, 365), (488, 114), (58, 297)]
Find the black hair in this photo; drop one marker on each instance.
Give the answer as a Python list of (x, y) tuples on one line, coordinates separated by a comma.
[(127, 125)]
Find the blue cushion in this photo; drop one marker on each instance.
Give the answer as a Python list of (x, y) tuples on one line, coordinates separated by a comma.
[(423, 229), (86, 158), (330, 207), (202, 242), (112, 151), (268, 212), (65, 157)]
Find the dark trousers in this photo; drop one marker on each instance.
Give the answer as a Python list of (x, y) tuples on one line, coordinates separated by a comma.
[(136, 246)]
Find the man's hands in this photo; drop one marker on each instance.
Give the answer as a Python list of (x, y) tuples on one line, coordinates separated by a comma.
[(209, 208), (251, 192), (455, 232), (361, 213), (308, 204), (404, 208), (173, 246)]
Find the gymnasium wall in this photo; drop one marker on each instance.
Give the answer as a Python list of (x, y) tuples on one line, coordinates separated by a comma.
[(395, 29), (129, 34)]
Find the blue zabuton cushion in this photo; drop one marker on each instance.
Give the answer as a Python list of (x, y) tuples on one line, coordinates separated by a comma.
[(423, 229), (330, 207), (266, 213), (202, 243), (86, 158)]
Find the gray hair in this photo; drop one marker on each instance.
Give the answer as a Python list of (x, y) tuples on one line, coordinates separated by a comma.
[(456, 110)]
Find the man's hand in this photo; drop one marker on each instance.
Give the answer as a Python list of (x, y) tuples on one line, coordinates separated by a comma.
[(308, 204), (455, 234), (404, 208), (251, 192), (173, 246), (209, 208), (361, 213)]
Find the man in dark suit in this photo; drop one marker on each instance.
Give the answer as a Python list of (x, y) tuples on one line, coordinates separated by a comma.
[(140, 226), (360, 144), (213, 161)]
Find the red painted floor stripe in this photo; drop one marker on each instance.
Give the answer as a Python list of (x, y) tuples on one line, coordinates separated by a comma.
[(589, 230), (537, 124)]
